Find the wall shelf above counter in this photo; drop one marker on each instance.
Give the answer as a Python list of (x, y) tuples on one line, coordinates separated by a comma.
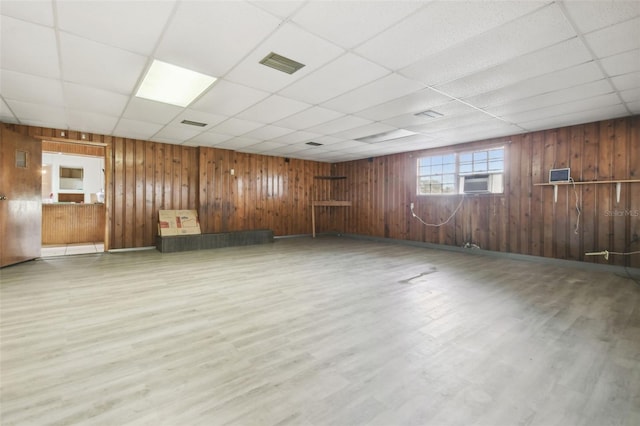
[(618, 184)]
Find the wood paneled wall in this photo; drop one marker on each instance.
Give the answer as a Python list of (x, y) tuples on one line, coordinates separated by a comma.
[(144, 177), (524, 219), (270, 192), (264, 192)]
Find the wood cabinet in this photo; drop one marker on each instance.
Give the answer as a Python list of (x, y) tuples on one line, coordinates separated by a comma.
[(72, 223)]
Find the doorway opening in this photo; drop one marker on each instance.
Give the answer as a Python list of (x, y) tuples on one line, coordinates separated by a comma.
[(73, 198)]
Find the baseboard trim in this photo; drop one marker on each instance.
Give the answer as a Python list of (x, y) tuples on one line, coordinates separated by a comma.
[(634, 273)]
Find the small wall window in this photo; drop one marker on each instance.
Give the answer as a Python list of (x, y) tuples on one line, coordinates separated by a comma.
[(482, 170), (71, 178), (437, 174)]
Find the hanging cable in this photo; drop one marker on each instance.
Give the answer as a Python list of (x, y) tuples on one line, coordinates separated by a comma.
[(575, 191), (438, 224)]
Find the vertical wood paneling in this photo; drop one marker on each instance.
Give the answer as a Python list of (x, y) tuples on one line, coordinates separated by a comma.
[(525, 219), (144, 177)]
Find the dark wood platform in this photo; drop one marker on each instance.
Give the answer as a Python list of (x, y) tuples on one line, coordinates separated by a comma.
[(176, 243)]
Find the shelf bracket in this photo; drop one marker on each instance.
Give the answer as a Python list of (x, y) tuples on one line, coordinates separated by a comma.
[(555, 193), (618, 189)]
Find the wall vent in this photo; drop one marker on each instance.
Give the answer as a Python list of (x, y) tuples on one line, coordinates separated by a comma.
[(193, 123), (314, 144)]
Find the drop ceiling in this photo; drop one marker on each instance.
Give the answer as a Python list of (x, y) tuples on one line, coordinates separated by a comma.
[(491, 68)]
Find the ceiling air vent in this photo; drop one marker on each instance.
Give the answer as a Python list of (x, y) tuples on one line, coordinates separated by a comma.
[(428, 113), (193, 123), (281, 63), (314, 144)]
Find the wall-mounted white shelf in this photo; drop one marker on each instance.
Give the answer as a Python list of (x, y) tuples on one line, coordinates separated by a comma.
[(618, 184)]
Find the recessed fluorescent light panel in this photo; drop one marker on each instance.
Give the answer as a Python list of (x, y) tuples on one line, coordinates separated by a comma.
[(172, 84), (281, 63), (428, 113), (387, 136)]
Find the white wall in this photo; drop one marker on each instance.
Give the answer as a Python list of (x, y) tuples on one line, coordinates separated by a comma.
[(93, 173)]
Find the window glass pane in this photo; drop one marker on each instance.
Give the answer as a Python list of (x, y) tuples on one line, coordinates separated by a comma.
[(449, 168), (425, 170), (466, 168), (21, 159), (436, 160), (480, 167), (425, 161), (436, 188), (496, 154), (436, 170), (449, 159), (466, 157), (448, 188), (448, 179), (496, 165), (480, 156)]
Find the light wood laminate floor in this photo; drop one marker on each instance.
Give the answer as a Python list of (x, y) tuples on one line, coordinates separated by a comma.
[(331, 331)]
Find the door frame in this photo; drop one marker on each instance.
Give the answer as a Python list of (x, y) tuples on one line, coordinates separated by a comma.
[(108, 184)]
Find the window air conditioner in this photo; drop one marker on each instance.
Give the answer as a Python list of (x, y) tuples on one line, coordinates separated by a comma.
[(482, 184)]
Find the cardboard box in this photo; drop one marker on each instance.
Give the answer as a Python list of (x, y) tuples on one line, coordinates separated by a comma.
[(178, 222)]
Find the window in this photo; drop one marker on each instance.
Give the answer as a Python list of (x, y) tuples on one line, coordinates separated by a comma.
[(437, 174), (446, 174)]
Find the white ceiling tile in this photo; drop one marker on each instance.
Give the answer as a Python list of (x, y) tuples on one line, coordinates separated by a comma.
[(272, 109), (85, 98), (558, 57), (291, 42), (345, 73), (30, 88), (449, 122), (366, 130), (592, 15), (137, 30), (599, 87), (290, 149), (416, 102), (631, 95), (5, 113), (176, 134), (624, 63), (438, 26), (38, 12), (615, 39), (328, 140), (237, 143), (226, 98), (580, 117), (380, 91), (340, 124), (236, 127), (350, 23), (569, 77), (585, 104), (28, 48), (91, 122), (209, 139), (268, 132), (634, 107), (211, 37), (526, 34), (451, 108), (136, 129), (295, 137), (279, 8), (150, 111), (308, 118), (33, 114), (202, 117), (627, 81), (94, 64), (263, 147)]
